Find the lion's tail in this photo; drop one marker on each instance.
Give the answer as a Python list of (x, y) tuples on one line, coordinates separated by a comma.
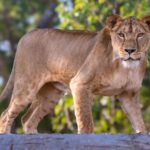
[(9, 86)]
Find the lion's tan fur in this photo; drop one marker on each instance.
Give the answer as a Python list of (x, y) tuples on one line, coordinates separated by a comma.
[(50, 62)]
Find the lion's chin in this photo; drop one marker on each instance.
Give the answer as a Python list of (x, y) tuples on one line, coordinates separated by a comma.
[(131, 63)]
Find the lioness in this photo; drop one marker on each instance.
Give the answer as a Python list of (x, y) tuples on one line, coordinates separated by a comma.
[(49, 62)]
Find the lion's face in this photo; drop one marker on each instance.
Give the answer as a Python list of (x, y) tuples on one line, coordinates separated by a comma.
[(130, 39)]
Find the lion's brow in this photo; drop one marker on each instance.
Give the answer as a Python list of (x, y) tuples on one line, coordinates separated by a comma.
[(130, 22)]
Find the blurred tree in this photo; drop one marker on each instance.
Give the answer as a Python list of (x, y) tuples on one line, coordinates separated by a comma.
[(19, 16)]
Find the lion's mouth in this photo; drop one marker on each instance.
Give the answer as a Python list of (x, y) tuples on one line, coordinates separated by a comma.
[(131, 59)]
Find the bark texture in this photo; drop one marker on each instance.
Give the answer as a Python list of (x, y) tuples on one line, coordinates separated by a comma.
[(74, 142)]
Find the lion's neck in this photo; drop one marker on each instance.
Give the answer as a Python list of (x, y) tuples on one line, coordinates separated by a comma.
[(129, 64), (118, 77)]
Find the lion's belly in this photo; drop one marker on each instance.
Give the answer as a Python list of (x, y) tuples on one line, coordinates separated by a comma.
[(108, 90)]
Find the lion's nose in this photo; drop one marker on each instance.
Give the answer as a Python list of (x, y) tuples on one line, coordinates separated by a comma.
[(129, 50)]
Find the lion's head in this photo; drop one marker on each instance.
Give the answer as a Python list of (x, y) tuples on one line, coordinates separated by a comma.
[(130, 37)]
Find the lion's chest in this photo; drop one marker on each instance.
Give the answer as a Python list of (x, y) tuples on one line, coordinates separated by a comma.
[(126, 81), (117, 82)]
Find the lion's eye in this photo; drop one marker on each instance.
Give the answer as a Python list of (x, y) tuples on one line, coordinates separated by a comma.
[(140, 35), (121, 35)]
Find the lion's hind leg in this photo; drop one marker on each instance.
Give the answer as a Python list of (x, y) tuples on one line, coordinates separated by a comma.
[(24, 93), (46, 99), (20, 99)]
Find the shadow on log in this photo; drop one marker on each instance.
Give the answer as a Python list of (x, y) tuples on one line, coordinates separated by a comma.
[(74, 142)]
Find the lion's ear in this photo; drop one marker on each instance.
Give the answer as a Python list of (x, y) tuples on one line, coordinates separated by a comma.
[(146, 20), (112, 20)]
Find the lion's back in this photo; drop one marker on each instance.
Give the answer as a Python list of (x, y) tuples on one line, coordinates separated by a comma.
[(55, 49)]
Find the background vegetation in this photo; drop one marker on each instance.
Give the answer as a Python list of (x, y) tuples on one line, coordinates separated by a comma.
[(20, 16)]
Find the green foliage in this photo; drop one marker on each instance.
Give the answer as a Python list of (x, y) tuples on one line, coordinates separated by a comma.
[(91, 15), (64, 116)]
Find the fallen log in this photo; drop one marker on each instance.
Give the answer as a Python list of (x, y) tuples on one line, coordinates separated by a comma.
[(74, 142)]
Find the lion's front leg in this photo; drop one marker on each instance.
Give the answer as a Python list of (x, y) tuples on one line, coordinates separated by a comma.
[(82, 103), (131, 106)]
